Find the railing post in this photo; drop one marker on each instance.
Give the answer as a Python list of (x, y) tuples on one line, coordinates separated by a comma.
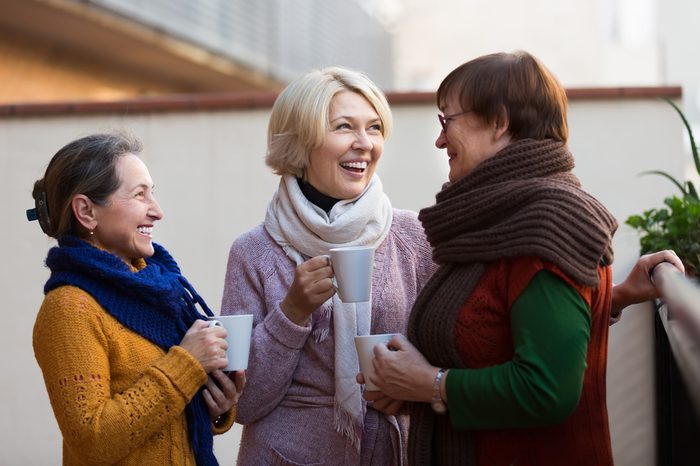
[(677, 368)]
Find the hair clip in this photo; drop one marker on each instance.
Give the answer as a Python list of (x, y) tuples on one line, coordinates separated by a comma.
[(40, 212)]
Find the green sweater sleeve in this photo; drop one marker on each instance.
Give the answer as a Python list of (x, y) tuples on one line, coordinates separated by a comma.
[(541, 385)]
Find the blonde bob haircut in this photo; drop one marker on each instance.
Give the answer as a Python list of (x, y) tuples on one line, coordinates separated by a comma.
[(299, 118)]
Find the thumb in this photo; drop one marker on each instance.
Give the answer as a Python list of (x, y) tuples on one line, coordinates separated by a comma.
[(198, 325), (399, 343)]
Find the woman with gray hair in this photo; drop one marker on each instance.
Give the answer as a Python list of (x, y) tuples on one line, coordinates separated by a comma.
[(302, 404)]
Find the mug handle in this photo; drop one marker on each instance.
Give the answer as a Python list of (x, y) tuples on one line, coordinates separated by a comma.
[(334, 282), (215, 323)]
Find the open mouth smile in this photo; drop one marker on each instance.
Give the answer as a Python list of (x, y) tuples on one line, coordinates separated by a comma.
[(146, 231), (355, 167)]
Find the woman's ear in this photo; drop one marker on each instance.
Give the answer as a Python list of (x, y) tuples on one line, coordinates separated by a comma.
[(502, 125), (83, 209)]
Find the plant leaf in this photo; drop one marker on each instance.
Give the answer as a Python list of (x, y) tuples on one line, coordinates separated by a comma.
[(666, 175), (693, 147)]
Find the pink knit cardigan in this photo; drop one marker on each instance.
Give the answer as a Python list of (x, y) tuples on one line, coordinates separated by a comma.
[(287, 405)]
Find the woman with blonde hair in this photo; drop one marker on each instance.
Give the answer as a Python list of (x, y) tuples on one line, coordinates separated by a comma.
[(302, 404)]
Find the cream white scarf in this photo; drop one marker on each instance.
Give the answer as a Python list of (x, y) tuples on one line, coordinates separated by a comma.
[(304, 230)]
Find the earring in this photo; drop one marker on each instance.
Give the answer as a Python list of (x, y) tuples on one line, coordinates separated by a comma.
[(92, 232)]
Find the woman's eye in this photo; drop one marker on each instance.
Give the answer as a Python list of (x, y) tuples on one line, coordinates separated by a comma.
[(376, 127), (343, 126)]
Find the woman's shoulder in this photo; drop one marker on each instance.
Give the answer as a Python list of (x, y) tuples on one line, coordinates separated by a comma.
[(67, 304), (256, 248), (68, 296), (407, 229), (254, 239), (406, 222), (519, 272)]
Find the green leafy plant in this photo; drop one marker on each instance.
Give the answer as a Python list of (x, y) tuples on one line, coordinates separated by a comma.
[(677, 225)]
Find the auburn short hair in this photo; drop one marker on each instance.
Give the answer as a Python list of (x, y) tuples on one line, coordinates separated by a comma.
[(515, 83)]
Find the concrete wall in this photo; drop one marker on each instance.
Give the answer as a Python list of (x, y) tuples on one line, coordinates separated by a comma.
[(213, 185)]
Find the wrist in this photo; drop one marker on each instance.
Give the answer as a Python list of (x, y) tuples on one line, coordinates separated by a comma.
[(437, 401), (620, 299), (293, 313), (443, 386)]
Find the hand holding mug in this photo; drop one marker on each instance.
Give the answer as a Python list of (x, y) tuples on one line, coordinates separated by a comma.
[(379, 401), (365, 345), (403, 373), (312, 286), (223, 391), (239, 329), (206, 344)]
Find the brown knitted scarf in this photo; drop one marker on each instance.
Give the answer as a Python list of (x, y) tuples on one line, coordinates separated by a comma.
[(524, 201)]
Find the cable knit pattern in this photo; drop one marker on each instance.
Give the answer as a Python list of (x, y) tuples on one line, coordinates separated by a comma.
[(287, 406)]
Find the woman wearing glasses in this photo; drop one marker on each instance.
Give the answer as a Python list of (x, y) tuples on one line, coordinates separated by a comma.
[(302, 404), (507, 343)]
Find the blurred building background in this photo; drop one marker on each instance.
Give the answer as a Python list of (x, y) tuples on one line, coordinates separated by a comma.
[(115, 49), (110, 49), (204, 146)]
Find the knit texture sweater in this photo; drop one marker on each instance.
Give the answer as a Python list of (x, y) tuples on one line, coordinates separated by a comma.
[(287, 406), (533, 392), (118, 397), (523, 201)]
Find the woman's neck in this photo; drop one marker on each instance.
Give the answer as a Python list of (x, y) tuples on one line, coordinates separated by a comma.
[(316, 197)]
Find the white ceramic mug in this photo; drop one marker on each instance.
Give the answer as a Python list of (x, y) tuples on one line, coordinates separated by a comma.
[(364, 344), (239, 330), (352, 267)]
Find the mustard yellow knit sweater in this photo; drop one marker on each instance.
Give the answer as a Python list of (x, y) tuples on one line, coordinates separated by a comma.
[(117, 397)]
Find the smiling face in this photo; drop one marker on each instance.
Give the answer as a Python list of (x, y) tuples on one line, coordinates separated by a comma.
[(124, 225), (343, 165), (468, 139)]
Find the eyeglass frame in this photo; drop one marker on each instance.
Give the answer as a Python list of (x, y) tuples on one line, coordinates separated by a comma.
[(445, 119)]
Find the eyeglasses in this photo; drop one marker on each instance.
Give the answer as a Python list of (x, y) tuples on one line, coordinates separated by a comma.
[(445, 119)]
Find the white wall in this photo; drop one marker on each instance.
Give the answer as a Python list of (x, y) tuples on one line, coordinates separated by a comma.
[(213, 185), (584, 43)]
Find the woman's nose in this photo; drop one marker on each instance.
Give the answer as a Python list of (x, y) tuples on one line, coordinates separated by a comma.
[(362, 141), (155, 211), (441, 141)]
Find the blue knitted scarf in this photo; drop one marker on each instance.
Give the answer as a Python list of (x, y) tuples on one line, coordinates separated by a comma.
[(156, 302)]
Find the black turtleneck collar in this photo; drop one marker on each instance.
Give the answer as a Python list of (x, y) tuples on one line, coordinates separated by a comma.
[(316, 197)]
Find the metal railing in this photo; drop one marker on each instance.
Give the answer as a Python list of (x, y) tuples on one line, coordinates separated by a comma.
[(678, 368)]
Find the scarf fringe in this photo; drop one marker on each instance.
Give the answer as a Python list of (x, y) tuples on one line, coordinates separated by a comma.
[(347, 426), (321, 324), (320, 334)]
